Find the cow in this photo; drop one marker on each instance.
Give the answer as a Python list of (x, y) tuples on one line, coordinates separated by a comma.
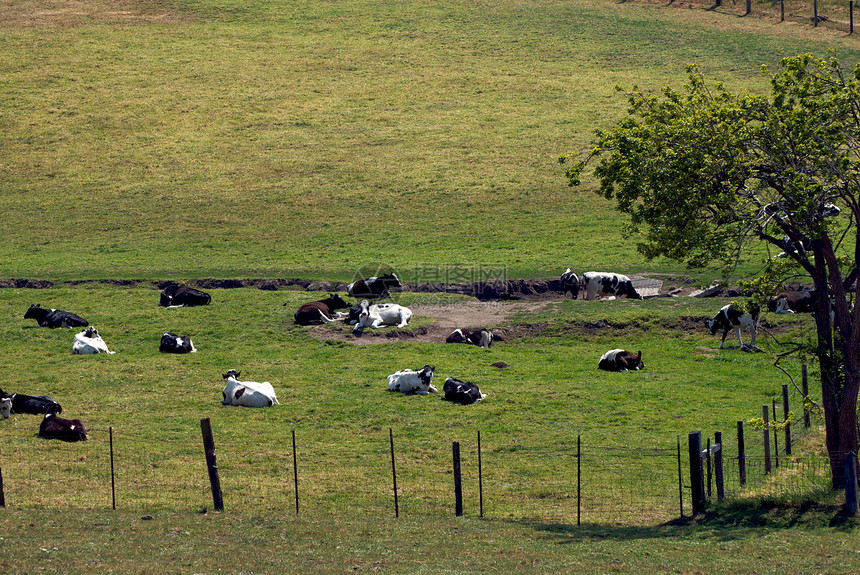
[(89, 341), (171, 343), (380, 315), (33, 404), (247, 393), (6, 407), (801, 301), (570, 282), (605, 283), (475, 336), (729, 317), (409, 381), (460, 391), (54, 318), (183, 296), (53, 427), (321, 311), (374, 287), (621, 360)]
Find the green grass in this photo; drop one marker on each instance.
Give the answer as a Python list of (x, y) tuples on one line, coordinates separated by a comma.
[(313, 140), (321, 139)]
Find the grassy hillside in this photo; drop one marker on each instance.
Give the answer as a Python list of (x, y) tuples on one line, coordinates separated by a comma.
[(193, 139), (227, 139)]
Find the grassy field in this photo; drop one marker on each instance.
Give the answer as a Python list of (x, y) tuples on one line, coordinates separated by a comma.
[(319, 140), (221, 139)]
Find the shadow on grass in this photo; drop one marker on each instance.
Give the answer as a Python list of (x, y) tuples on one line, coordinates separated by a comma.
[(727, 522)]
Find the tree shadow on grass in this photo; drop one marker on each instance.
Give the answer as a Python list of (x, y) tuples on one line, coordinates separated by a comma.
[(738, 520)]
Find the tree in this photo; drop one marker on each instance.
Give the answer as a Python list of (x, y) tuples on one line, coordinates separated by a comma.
[(707, 175)]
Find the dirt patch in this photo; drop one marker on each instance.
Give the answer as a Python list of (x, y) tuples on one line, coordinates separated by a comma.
[(444, 320)]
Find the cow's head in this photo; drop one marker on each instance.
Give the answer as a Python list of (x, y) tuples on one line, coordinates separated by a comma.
[(231, 373), (425, 374), (635, 361), (91, 332), (570, 283), (390, 280), (711, 324), (334, 301), (35, 311), (5, 407)]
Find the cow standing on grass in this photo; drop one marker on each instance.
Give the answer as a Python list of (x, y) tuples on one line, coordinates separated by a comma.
[(730, 317)]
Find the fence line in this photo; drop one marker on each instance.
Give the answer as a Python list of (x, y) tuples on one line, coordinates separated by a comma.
[(832, 14)]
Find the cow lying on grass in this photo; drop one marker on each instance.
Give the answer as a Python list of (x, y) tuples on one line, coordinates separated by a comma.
[(53, 427), (171, 343), (409, 381), (460, 391), (321, 311), (247, 393), (54, 318), (379, 315), (475, 336), (620, 360), (183, 296), (89, 341), (32, 404)]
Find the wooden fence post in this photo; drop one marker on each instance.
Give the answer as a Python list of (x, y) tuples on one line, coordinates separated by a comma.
[(805, 389), (775, 440), (707, 455), (766, 419), (697, 481), (815, 13), (458, 481), (782, 10), (742, 455), (579, 479), (112, 476), (749, 7), (680, 480), (295, 472), (718, 466), (211, 464), (480, 480), (851, 483), (2, 496), (393, 472), (785, 419), (851, 17)]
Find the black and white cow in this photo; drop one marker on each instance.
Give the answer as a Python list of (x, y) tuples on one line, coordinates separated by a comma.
[(183, 296), (33, 404), (54, 318), (171, 343), (89, 341), (247, 393), (570, 282), (380, 315), (374, 287), (801, 301), (606, 283), (53, 427), (409, 381), (621, 360), (475, 336), (729, 317), (460, 391), (321, 311), (5, 407)]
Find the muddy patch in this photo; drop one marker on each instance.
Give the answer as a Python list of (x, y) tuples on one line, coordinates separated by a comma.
[(443, 319)]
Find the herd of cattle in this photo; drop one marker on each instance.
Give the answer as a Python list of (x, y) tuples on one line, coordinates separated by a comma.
[(368, 315)]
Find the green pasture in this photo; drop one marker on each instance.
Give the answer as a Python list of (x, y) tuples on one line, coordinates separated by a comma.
[(227, 139), (218, 139)]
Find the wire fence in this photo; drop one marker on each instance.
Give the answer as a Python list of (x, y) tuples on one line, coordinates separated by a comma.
[(831, 14), (390, 472)]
